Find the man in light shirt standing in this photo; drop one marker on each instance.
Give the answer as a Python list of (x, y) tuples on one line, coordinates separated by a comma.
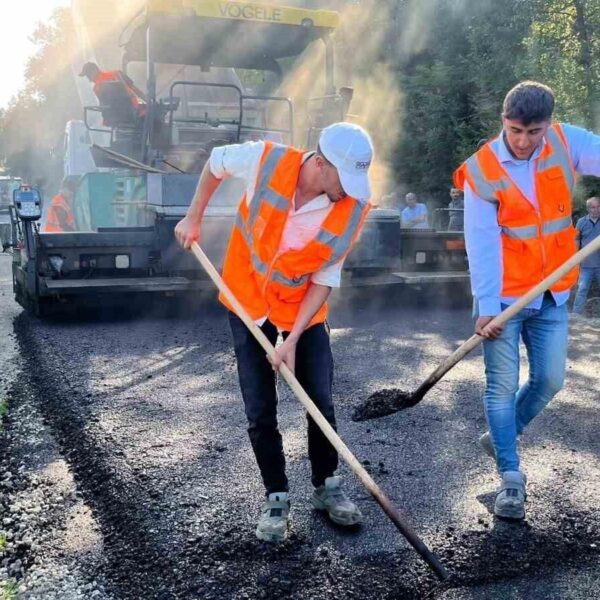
[(518, 230), (588, 228), (300, 214), (414, 215), (456, 210)]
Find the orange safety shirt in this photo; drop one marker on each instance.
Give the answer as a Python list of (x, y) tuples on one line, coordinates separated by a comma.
[(265, 280), (107, 76), (534, 242), (60, 216)]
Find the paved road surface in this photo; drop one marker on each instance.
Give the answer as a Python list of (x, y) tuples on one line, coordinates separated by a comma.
[(147, 413)]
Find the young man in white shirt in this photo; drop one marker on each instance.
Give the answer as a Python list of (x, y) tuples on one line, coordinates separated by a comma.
[(297, 221), (518, 229)]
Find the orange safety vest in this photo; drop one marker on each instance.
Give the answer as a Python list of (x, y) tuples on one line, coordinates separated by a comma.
[(107, 76), (534, 242), (265, 281), (60, 216)]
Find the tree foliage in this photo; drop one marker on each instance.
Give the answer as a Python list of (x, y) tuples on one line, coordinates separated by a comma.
[(563, 48), (32, 126), (476, 51), (454, 87)]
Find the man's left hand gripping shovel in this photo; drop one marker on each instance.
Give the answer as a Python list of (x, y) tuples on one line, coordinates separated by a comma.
[(396, 517)]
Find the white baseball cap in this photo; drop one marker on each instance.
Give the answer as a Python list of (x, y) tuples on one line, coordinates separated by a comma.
[(349, 149)]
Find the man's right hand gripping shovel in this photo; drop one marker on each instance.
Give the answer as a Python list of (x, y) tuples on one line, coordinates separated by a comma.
[(187, 231)]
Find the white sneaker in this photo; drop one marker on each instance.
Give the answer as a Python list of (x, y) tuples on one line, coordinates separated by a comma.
[(511, 496), (274, 516), (339, 507)]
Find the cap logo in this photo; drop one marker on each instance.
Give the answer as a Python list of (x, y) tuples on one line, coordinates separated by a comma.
[(362, 165)]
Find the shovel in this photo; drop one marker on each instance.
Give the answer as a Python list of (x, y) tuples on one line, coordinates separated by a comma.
[(388, 401), (398, 519)]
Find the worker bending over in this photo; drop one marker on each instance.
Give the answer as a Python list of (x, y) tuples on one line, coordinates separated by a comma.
[(300, 214), (518, 229)]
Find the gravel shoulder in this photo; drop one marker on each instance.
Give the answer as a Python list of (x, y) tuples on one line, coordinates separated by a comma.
[(145, 414), (51, 546)]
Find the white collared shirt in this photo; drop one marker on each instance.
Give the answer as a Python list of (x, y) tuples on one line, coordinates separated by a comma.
[(482, 231)]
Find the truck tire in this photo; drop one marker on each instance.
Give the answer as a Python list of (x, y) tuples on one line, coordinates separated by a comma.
[(40, 307)]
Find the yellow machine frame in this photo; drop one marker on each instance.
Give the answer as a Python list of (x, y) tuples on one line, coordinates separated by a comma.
[(246, 11)]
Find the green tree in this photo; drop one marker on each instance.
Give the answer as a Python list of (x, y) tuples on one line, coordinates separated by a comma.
[(453, 87), (32, 126), (563, 50)]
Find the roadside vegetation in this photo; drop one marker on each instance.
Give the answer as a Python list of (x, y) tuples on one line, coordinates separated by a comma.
[(3, 413), (8, 590)]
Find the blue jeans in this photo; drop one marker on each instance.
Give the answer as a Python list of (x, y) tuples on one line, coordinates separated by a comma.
[(508, 408), (314, 371), (586, 276)]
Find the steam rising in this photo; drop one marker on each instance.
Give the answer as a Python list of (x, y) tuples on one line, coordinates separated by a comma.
[(359, 41), (366, 30)]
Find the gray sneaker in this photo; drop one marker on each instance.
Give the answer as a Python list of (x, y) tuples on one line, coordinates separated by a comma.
[(330, 498), (485, 441), (273, 521), (511, 496)]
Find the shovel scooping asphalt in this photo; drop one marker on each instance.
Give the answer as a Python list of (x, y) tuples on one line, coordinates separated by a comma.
[(388, 401), (335, 440)]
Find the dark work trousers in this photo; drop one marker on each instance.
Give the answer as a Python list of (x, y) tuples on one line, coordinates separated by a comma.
[(314, 371)]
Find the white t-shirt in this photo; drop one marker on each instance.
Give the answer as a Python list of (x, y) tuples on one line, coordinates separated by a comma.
[(302, 226)]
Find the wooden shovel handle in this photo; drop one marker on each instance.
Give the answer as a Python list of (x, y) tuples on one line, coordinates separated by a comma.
[(385, 503), (505, 315)]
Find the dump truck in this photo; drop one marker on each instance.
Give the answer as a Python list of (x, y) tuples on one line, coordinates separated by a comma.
[(196, 57)]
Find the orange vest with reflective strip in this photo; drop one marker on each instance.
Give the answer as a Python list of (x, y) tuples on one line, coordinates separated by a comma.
[(534, 242), (60, 216), (108, 76), (265, 281)]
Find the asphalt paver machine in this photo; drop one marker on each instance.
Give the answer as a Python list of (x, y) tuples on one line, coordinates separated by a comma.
[(204, 64), (190, 53)]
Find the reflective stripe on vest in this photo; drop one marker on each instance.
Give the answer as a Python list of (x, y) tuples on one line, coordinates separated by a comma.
[(558, 158), (531, 231), (534, 242), (262, 191), (340, 244), (486, 190)]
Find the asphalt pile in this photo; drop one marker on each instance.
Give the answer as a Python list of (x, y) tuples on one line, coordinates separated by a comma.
[(150, 552), (381, 404)]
